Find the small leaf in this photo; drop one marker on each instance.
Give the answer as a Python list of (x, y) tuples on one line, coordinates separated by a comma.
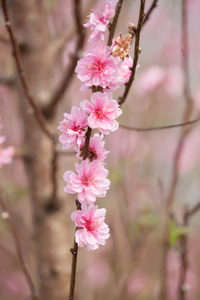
[(175, 232)]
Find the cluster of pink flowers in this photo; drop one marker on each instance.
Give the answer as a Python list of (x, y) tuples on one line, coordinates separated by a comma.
[(102, 71), (6, 154)]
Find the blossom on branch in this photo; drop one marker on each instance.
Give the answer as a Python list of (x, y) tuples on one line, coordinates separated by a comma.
[(98, 21), (98, 68), (89, 182), (102, 112), (73, 128), (91, 229), (124, 69), (96, 148)]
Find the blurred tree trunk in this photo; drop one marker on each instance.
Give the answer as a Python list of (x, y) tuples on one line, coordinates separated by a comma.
[(50, 226)]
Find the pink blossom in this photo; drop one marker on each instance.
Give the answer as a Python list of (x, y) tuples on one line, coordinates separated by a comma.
[(73, 128), (103, 112), (98, 67), (92, 231), (6, 154), (89, 182), (109, 11), (98, 21), (124, 69), (96, 148)]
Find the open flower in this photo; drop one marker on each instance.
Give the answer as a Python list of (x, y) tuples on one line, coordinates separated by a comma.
[(124, 69), (95, 150), (102, 112), (92, 231), (72, 128), (98, 67), (98, 21), (89, 182)]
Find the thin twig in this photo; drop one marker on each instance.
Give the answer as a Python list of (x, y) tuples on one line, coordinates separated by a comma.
[(182, 287), (23, 79), (20, 254), (161, 127), (136, 53), (114, 22), (192, 211), (148, 13), (184, 265)]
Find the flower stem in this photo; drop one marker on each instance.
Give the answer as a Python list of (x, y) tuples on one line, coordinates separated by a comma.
[(74, 250)]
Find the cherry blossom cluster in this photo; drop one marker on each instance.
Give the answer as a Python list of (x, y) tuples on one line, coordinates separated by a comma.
[(101, 70), (6, 154)]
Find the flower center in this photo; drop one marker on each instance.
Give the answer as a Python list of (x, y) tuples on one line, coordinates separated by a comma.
[(90, 226)]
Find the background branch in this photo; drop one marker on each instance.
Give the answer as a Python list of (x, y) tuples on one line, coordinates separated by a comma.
[(49, 110), (7, 215), (22, 76), (175, 170), (161, 127)]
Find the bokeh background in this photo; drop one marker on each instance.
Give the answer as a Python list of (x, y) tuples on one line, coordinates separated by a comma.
[(139, 163)]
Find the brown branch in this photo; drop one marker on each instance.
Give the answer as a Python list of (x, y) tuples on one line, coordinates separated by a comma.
[(27, 275), (22, 76), (114, 22), (184, 266), (49, 110), (136, 53), (148, 13), (194, 210), (175, 170), (161, 127), (185, 47)]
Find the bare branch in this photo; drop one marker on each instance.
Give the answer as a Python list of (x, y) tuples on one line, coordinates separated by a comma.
[(22, 76), (175, 169), (149, 12), (161, 127), (7, 215), (114, 22), (194, 210), (136, 53)]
